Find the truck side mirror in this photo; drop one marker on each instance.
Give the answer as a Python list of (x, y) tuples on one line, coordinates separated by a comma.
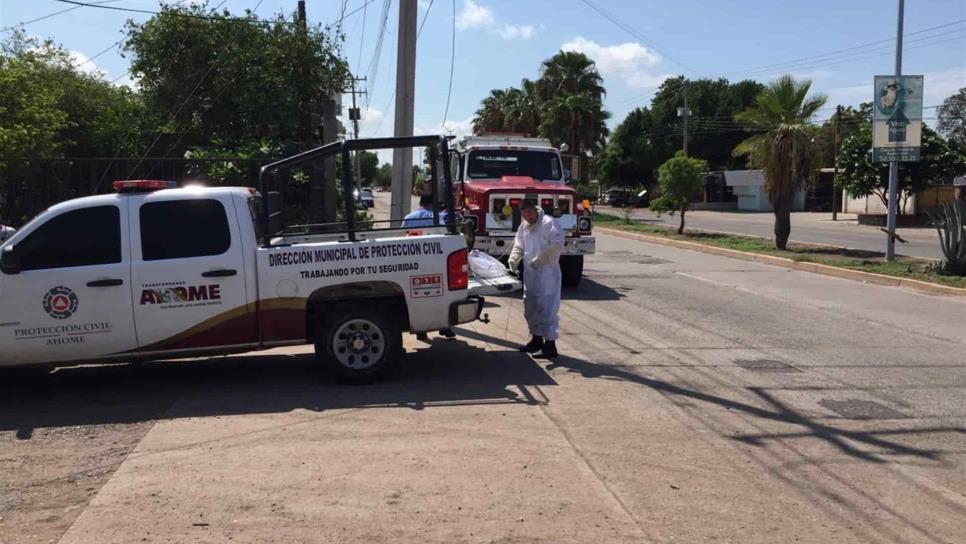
[(10, 260)]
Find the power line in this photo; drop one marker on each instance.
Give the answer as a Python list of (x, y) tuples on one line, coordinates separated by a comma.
[(858, 55), (452, 65), (105, 50), (49, 15), (177, 13), (828, 58), (630, 30), (838, 51), (425, 16), (362, 37), (373, 69)]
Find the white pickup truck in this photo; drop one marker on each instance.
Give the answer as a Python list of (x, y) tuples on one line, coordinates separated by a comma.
[(158, 272)]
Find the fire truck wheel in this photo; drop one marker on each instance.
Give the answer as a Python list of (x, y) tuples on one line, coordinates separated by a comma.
[(358, 342), (571, 270)]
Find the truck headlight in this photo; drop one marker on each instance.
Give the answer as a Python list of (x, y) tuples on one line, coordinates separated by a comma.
[(584, 224)]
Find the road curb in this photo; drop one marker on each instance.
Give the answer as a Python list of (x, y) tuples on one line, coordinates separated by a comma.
[(816, 268)]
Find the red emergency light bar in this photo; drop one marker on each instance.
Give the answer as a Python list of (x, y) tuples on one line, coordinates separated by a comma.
[(143, 185)]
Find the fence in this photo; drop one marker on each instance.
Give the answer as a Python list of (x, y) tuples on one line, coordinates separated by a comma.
[(29, 186)]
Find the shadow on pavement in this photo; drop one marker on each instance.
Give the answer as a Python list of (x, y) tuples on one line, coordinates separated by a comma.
[(777, 411), (451, 373), (591, 290)]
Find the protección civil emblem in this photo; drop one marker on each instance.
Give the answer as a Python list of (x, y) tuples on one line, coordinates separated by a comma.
[(60, 302)]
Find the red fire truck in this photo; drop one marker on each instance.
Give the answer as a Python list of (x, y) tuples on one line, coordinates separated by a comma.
[(494, 174)]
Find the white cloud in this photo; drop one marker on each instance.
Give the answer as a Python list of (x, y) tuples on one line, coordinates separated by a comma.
[(459, 128), (512, 32), (371, 119), (82, 63), (633, 63), (128, 81), (474, 15)]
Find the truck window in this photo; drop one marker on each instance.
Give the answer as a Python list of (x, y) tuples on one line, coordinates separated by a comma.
[(85, 237), (180, 229), (496, 163)]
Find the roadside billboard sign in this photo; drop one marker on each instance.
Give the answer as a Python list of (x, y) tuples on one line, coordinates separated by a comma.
[(897, 118)]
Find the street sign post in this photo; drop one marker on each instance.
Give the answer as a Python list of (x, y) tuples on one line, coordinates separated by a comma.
[(897, 118)]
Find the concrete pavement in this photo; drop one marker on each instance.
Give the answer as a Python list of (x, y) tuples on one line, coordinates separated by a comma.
[(808, 227), (699, 399)]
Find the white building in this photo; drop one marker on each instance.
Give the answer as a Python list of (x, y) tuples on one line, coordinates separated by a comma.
[(749, 187)]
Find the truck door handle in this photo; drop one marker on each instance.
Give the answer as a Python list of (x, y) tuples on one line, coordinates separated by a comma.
[(114, 282), (223, 273)]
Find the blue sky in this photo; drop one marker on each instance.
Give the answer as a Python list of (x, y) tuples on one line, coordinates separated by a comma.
[(498, 42)]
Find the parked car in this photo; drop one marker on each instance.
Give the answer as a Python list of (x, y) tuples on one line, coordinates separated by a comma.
[(366, 198), (622, 198)]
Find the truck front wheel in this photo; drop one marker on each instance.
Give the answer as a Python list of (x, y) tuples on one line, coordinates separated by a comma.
[(356, 343), (571, 270)]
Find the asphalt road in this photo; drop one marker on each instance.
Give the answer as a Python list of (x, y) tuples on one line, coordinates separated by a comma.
[(815, 228), (698, 399)]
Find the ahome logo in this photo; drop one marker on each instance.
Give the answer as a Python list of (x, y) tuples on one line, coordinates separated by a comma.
[(174, 295)]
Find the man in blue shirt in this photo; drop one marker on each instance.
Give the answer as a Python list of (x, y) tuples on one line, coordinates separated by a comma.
[(423, 216)]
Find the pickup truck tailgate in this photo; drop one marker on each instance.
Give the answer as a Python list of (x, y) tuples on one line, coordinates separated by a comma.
[(494, 286)]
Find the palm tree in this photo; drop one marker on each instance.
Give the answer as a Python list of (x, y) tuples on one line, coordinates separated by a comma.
[(784, 148), (491, 117), (523, 108), (571, 92)]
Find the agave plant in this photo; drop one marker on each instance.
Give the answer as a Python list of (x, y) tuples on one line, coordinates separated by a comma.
[(951, 225)]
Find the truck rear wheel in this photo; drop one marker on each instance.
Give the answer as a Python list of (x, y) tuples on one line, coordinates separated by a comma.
[(357, 343), (571, 270)]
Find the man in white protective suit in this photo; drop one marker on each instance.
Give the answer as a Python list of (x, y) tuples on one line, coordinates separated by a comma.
[(538, 245)]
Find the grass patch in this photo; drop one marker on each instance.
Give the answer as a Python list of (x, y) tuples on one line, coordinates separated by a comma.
[(853, 259)]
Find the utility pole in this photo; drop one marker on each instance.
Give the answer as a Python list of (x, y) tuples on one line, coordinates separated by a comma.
[(355, 116), (322, 182), (894, 165), (835, 163), (308, 136), (685, 113), (402, 158)]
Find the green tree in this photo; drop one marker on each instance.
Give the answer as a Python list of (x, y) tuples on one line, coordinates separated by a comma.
[(572, 111), (713, 131), (31, 119), (681, 180), (368, 168), (784, 147), (51, 110), (952, 117), (237, 79), (848, 122), (861, 177), (383, 176), (632, 154), (238, 169)]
